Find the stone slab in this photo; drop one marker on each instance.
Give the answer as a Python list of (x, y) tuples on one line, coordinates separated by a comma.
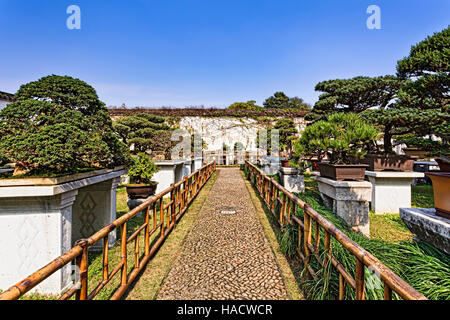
[(428, 226), (349, 200), (32, 190), (293, 181), (391, 190)]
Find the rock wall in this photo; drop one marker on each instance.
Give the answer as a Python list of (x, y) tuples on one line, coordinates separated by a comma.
[(217, 131)]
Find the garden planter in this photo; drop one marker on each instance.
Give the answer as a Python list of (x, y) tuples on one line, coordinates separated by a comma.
[(415, 152), (135, 191), (285, 163), (443, 166), (441, 189), (340, 172), (389, 163)]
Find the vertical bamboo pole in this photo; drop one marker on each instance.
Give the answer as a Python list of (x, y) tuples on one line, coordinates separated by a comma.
[(136, 251), (161, 215), (317, 236), (154, 216), (82, 264), (123, 255), (147, 232), (105, 257), (341, 287), (173, 205), (387, 292), (360, 287), (307, 231)]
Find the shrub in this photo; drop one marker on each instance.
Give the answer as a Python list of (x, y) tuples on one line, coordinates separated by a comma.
[(145, 131), (344, 136), (142, 169), (53, 129)]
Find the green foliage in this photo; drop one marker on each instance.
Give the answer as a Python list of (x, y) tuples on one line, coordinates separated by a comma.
[(434, 148), (58, 130), (142, 169), (356, 94), (342, 136), (427, 71), (145, 131), (280, 100), (287, 132), (249, 105), (238, 146)]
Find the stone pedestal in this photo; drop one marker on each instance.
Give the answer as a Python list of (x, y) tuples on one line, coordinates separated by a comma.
[(197, 163), (349, 199), (427, 226), (391, 190), (170, 171), (41, 218), (292, 180), (187, 168)]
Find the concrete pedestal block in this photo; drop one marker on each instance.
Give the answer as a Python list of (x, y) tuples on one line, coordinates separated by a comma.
[(197, 163), (187, 167), (94, 208), (427, 226), (391, 190), (350, 200), (292, 180), (41, 218), (170, 171)]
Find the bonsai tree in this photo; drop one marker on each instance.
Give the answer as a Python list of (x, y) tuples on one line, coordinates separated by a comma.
[(343, 137), (374, 97), (142, 169), (426, 71), (145, 132), (59, 125)]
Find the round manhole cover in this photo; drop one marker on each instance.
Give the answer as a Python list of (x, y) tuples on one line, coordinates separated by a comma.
[(228, 210)]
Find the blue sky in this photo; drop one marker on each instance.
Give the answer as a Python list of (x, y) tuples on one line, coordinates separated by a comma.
[(208, 52)]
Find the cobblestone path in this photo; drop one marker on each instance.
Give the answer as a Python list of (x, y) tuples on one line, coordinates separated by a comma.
[(225, 256)]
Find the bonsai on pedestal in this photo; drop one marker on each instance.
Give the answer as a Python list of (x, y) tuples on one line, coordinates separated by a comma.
[(343, 137), (141, 173)]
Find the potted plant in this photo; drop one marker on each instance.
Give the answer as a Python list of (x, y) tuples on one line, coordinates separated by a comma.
[(141, 173), (343, 137), (441, 189)]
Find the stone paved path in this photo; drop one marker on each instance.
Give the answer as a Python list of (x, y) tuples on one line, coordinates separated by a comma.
[(225, 256)]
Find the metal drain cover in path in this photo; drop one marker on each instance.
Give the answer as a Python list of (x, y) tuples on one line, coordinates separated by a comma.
[(228, 210)]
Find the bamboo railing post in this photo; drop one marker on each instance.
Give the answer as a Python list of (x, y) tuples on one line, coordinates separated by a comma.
[(105, 257), (147, 232), (307, 232), (387, 292), (82, 265), (123, 253), (136, 252), (341, 287), (161, 215), (172, 206), (359, 277)]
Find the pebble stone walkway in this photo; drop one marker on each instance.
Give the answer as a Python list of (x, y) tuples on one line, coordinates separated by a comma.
[(225, 256)]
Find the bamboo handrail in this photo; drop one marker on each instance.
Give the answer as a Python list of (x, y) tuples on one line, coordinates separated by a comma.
[(269, 190), (79, 252)]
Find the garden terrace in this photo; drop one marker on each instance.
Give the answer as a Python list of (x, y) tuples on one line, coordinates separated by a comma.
[(210, 112)]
